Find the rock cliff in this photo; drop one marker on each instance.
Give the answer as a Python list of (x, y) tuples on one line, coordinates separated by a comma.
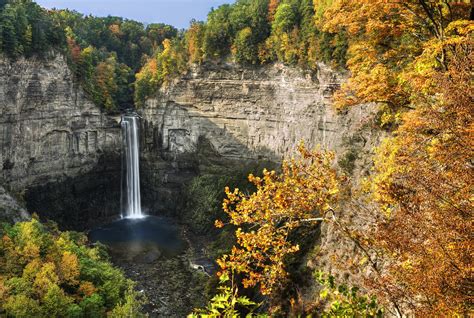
[(52, 137), (242, 113), (62, 155)]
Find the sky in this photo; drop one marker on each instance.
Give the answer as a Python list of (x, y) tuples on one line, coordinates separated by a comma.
[(175, 12)]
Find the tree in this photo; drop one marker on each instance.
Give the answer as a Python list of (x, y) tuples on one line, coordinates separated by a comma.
[(285, 18), (44, 272), (22, 306), (195, 41), (217, 39), (304, 192), (245, 51), (55, 302), (69, 268), (225, 304), (146, 82), (385, 39), (272, 8), (423, 183), (105, 79), (158, 32), (130, 307), (345, 301)]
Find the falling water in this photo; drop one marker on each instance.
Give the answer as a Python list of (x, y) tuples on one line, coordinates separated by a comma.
[(130, 201)]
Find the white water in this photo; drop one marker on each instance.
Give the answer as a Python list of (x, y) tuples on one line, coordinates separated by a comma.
[(130, 201)]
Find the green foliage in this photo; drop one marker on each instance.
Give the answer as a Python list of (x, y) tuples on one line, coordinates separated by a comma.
[(27, 29), (106, 52), (219, 33), (344, 301), (46, 273), (131, 306), (166, 65), (250, 32), (227, 303), (246, 51), (205, 193), (285, 18)]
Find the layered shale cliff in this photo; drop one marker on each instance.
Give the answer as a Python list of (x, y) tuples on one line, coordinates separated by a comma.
[(61, 155), (58, 152), (223, 112)]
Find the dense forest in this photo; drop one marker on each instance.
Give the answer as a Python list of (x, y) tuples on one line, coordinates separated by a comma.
[(414, 58), (103, 53), (116, 59), (48, 273)]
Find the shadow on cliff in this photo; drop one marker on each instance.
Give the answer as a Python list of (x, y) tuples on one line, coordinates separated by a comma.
[(172, 157), (81, 202), (169, 161)]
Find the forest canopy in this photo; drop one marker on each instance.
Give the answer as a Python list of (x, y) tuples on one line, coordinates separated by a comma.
[(103, 53), (48, 273), (116, 59)]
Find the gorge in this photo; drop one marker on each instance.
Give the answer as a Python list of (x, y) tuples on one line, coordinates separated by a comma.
[(64, 157), (212, 116), (282, 158)]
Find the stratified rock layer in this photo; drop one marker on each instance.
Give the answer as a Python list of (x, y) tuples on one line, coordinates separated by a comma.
[(50, 133), (226, 112)]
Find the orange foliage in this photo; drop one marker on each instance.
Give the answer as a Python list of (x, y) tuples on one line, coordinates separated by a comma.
[(304, 192), (272, 8), (87, 289), (75, 50), (194, 41), (424, 183), (385, 38)]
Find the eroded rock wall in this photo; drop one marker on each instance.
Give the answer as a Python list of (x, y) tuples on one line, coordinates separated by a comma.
[(243, 113), (52, 136)]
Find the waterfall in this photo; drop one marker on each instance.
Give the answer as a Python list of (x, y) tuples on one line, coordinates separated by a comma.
[(130, 198)]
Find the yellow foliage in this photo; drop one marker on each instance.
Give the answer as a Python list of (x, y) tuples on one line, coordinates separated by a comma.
[(386, 40), (305, 191), (46, 278), (423, 181), (69, 268)]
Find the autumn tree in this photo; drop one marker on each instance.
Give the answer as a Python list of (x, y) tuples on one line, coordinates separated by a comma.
[(44, 272), (305, 191), (218, 36), (167, 64), (195, 41), (385, 39), (272, 7), (244, 49), (106, 82), (423, 182)]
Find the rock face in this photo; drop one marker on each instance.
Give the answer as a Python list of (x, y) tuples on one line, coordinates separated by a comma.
[(52, 136), (10, 210), (62, 155), (237, 113)]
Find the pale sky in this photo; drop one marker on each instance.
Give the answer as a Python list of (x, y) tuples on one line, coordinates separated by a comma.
[(175, 12)]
